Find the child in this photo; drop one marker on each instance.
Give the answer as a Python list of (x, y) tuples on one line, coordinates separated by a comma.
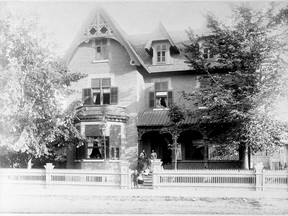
[(140, 179), (134, 177)]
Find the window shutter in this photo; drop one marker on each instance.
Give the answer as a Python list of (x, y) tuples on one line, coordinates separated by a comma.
[(170, 98), (114, 95), (151, 100), (86, 96)]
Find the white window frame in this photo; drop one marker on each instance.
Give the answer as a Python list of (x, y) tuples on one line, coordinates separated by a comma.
[(161, 53)]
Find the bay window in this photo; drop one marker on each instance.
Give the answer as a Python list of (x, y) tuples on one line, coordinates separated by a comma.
[(99, 146)]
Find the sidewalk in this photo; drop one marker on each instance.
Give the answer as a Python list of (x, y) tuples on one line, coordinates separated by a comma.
[(121, 193), (140, 201)]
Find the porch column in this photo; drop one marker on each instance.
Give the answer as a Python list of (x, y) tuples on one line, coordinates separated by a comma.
[(140, 147), (206, 146)]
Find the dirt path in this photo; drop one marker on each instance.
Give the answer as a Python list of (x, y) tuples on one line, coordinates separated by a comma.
[(142, 205)]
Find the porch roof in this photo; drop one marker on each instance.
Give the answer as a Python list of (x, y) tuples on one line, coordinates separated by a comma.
[(159, 118)]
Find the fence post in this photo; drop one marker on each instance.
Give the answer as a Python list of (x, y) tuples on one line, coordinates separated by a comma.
[(48, 168), (124, 182), (259, 176), (156, 168)]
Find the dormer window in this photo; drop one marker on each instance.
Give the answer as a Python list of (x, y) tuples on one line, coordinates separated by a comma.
[(207, 53), (161, 53)]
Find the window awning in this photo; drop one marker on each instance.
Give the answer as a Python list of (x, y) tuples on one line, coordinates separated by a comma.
[(93, 130), (159, 118)]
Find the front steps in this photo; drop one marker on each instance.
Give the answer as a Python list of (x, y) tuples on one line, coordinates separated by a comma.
[(148, 182)]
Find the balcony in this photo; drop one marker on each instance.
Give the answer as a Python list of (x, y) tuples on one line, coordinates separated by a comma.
[(96, 112)]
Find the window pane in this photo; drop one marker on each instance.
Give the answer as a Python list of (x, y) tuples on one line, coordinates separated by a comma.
[(117, 153), (164, 86), (163, 56), (163, 47), (98, 49), (112, 153), (161, 101), (104, 52), (114, 95), (86, 96), (157, 86), (158, 47), (161, 86), (96, 98), (151, 99), (95, 83), (106, 82), (104, 41), (106, 98)]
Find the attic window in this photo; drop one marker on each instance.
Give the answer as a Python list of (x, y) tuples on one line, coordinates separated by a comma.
[(161, 53), (103, 30), (101, 49), (92, 31)]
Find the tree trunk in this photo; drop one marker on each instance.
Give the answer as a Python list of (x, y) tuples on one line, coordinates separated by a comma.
[(243, 156), (29, 164)]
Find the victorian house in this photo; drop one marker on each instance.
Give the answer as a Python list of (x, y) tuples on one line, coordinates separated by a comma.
[(131, 83)]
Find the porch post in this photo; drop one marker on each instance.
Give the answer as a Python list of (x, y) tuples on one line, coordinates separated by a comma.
[(140, 147), (206, 146)]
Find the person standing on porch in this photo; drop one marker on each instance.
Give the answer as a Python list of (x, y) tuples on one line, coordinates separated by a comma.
[(153, 155), (143, 154)]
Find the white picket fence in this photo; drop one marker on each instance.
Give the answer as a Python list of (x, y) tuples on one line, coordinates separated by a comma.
[(50, 177), (258, 179)]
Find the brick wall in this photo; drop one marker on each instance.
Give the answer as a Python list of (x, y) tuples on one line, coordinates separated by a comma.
[(176, 83), (122, 75)]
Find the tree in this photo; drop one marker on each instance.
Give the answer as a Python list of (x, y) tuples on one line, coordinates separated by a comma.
[(176, 115), (34, 83), (246, 80)]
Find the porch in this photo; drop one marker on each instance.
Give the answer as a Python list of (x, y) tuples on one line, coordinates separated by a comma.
[(195, 149)]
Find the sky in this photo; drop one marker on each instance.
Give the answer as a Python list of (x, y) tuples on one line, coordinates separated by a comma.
[(62, 19)]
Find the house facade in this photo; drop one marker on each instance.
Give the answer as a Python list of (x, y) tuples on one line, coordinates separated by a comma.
[(131, 83)]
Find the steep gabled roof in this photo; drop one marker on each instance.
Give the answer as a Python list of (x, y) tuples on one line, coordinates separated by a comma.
[(118, 34), (160, 34)]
